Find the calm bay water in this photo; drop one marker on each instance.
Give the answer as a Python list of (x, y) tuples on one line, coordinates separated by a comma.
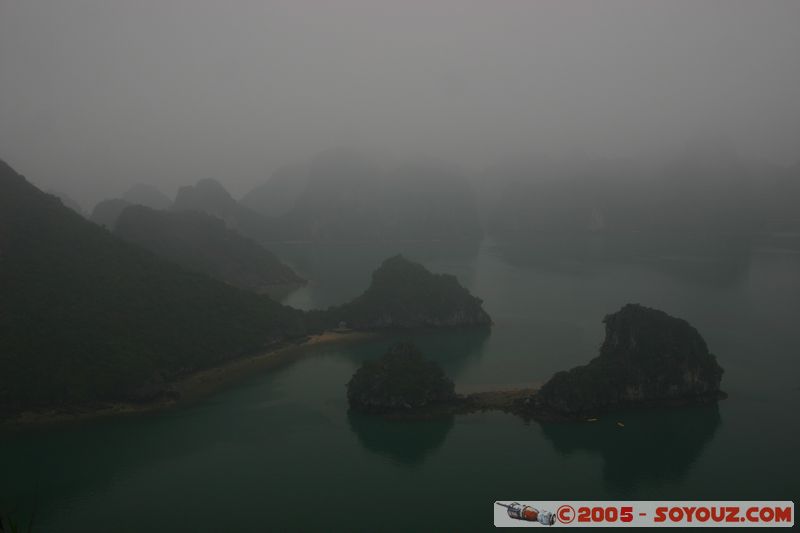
[(279, 451)]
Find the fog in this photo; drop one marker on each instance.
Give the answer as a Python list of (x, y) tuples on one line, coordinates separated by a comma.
[(97, 95)]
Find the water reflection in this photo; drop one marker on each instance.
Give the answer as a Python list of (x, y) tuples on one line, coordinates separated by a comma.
[(407, 442), (40, 466), (656, 446)]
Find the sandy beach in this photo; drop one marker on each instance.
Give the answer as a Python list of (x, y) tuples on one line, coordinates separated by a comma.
[(187, 389)]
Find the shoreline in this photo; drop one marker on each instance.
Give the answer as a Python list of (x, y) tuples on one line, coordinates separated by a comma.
[(502, 400), (514, 401), (187, 389)]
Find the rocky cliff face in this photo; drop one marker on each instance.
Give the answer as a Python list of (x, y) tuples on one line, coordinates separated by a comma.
[(400, 381), (404, 294), (648, 358)]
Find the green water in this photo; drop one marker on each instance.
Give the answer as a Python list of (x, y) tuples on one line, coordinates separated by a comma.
[(280, 451)]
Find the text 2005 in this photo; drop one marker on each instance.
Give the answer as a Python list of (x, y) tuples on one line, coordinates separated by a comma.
[(605, 514)]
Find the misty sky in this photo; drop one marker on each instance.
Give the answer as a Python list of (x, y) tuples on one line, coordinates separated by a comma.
[(98, 94)]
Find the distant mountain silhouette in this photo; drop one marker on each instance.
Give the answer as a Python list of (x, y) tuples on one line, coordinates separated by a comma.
[(210, 197), (349, 198), (207, 196), (148, 196), (203, 243), (712, 191), (344, 197), (279, 194), (107, 212)]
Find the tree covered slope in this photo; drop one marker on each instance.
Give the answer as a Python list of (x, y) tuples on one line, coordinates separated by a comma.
[(84, 315), (88, 317)]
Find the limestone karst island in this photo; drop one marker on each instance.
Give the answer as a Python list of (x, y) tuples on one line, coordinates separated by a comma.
[(648, 359)]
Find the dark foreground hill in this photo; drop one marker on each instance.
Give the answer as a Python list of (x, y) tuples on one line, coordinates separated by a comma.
[(85, 315), (203, 243), (68, 201), (88, 317)]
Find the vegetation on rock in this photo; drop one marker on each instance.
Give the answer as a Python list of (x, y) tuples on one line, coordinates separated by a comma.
[(648, 358), (400, 380), (404, 294)]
